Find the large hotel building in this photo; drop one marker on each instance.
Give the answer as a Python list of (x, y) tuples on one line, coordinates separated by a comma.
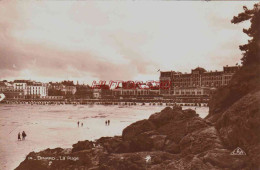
[(195, 85)]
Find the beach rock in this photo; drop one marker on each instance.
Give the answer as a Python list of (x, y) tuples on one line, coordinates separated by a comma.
[(200, 141), (181, 126), (223, 159), (213, 159), (136, 161), (142, 142), (137, 128), (239, 126), (158, 141), (124, 147), (165, 116), (172, 147), (171, 123), (82, 145), (147, 141), (111, 144), (56, 159)]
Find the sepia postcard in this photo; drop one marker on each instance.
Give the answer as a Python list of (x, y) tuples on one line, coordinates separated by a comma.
[(129, 85)]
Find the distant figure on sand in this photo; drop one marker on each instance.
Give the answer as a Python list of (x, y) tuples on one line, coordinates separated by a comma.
[(78, 123), (24, 135), (108, 122), (81, 124), (19, 136)]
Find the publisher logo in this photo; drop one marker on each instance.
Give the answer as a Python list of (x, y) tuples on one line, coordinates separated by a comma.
[(238, 151)]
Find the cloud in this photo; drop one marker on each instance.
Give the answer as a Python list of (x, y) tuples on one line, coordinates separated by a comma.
[(79, 40), (45, 61), (43, 57)]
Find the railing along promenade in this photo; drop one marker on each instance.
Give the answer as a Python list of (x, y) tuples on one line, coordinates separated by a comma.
[(103, 102)]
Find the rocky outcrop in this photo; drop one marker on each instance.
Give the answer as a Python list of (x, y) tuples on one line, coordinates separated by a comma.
[(137, 128), (239, 126), (82, 145), (170, 139), (245, 81), (235, 112)]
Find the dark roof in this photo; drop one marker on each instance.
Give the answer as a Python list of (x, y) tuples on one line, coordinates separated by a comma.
[(199, 69), (22, 81), (2, 83)]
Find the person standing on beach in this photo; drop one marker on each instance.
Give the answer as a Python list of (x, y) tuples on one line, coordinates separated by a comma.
[(108, 122), (19, 136), (81, 124), (78, 123), (24, 135)]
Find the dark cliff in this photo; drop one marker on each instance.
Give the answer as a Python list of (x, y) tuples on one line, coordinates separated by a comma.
[(245, 81)]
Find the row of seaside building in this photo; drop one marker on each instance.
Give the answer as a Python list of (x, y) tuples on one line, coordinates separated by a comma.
[(197, 85), (27, 89)]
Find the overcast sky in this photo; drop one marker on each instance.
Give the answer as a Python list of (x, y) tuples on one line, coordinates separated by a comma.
[(86, 41)]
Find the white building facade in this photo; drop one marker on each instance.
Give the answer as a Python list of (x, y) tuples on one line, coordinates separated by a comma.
[(31, 89), (37, 91)]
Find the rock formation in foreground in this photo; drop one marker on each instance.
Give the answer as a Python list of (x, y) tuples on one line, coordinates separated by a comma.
[(171, 139)]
